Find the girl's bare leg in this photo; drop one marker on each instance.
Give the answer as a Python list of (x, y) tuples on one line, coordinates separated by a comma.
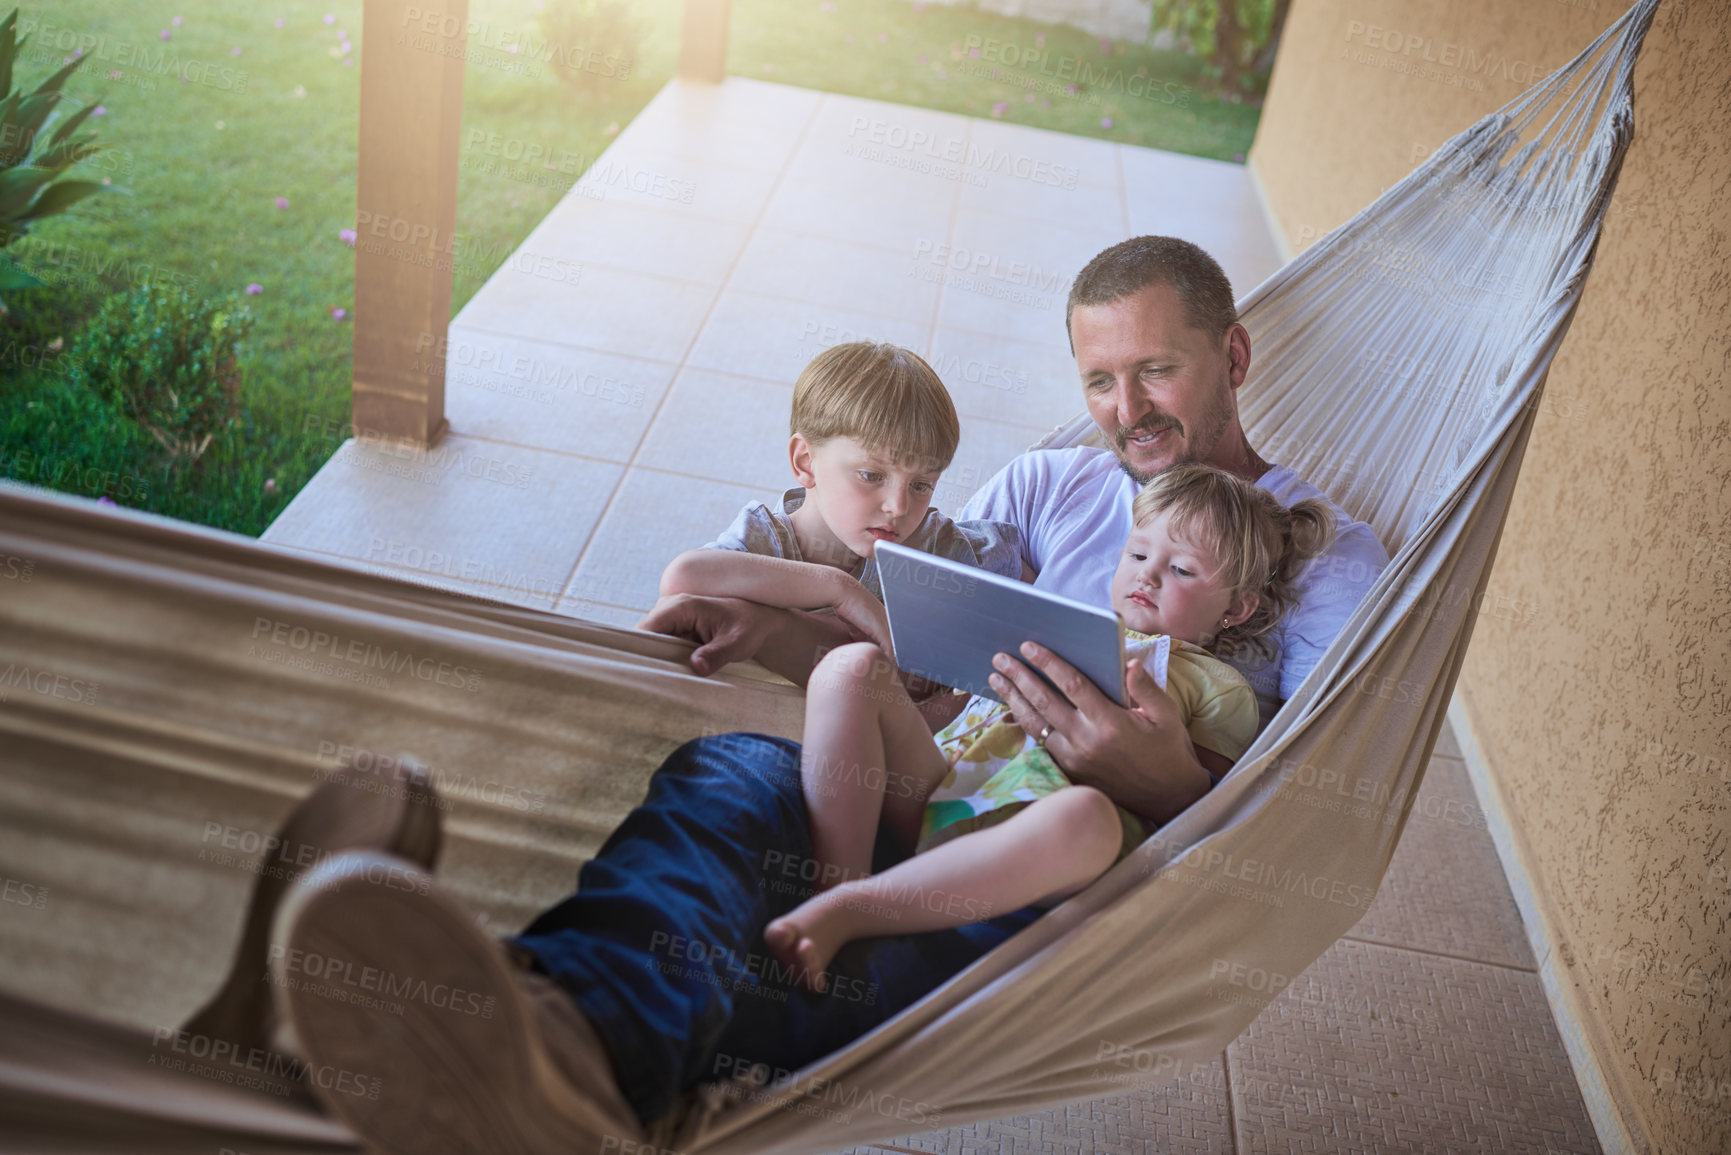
[(1054, 847), (867, 756)]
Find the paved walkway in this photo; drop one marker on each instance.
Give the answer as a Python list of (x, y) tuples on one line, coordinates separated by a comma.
[(620, 387)]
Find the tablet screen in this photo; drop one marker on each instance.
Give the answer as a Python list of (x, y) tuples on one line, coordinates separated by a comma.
[(947, 620)]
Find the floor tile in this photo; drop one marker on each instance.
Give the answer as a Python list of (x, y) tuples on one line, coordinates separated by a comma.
[(1029, 382), (608, 310), (640, 238), (1379, 1049), (1037, 197), (1049, 257), (742, 122), (630, 174), (655, 517), (861, 215), (891, 149), (1445, 890), (986, 447), (724, 427), (1037, 153), (1189, 1115), (607, 615), (549, 396), (772, 338), (780, 263), (468, 509)]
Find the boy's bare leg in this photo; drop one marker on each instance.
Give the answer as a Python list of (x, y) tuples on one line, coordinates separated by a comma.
[(867, 756), (1054, 847)]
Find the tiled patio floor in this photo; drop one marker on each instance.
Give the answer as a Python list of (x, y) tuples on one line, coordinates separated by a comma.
[(620, 388)]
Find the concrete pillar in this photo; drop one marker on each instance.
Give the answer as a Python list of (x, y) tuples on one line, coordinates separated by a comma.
[(406, 214), (703, 41)]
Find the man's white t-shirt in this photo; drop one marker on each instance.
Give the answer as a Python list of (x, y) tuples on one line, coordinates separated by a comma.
[(1073, 509)]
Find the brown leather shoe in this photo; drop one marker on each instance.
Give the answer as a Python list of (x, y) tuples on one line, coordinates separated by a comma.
[(353, 809), (419, 1032)]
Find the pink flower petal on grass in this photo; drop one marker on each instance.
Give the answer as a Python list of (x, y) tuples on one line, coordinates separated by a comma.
[(339, 314), (254, 289), (165, 34), (177, 22), (1105, 122), (279, 21), (106, 500), (329, 18), (99, 110), (282, 202), (347, 236)]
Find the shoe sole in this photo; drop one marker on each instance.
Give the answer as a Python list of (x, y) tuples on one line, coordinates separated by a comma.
[(411, 1023), (338, 815)]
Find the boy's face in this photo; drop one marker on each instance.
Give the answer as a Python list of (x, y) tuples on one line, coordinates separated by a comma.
[(864, 496), (1167, 585)]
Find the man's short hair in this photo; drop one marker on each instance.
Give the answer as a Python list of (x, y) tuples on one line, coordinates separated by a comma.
[(883, 396), (1131, 266)]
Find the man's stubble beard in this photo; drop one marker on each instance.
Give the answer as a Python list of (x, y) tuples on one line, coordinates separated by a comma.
[(1197, 445)]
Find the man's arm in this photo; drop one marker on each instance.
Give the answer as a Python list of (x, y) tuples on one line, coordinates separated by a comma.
[(728, 630), (1142, 758)]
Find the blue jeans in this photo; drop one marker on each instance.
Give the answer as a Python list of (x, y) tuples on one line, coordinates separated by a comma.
[(662, 945)]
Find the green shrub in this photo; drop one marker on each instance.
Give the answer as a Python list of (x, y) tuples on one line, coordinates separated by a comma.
[(31, 166), (169, 360), (591, 44)]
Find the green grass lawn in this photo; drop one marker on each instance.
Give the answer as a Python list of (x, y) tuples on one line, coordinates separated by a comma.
[(269, 112)]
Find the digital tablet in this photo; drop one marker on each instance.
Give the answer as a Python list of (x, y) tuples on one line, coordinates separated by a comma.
[(947, 620)]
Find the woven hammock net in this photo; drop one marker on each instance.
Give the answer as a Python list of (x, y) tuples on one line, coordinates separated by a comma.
[(1398, 363)]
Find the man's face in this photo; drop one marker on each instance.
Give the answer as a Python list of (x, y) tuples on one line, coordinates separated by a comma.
[(1159, 389)]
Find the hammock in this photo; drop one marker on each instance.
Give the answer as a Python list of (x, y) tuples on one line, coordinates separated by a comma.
[(1418, 334)]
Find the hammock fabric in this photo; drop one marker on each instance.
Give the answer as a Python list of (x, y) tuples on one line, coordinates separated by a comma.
[(228, 675)]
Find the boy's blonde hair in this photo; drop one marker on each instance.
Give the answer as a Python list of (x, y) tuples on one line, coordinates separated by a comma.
[(883, 396), (1260, 544)]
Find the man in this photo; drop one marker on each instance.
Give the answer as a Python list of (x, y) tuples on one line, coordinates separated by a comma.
[(609, 1010)]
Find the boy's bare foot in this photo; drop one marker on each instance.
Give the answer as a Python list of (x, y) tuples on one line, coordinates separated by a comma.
[(806, 939)]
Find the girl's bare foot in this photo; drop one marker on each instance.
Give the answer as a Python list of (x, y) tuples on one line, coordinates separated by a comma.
[(805, 940)]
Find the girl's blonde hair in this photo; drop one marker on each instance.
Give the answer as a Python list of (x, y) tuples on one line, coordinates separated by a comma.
[(1260, 544), (883, 396)]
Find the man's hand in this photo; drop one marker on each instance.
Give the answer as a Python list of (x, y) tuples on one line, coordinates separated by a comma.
[(865, 617), (727, 630), (1141, 757)]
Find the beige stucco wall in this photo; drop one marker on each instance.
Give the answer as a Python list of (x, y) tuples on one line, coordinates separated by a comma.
[(1605, 718)]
